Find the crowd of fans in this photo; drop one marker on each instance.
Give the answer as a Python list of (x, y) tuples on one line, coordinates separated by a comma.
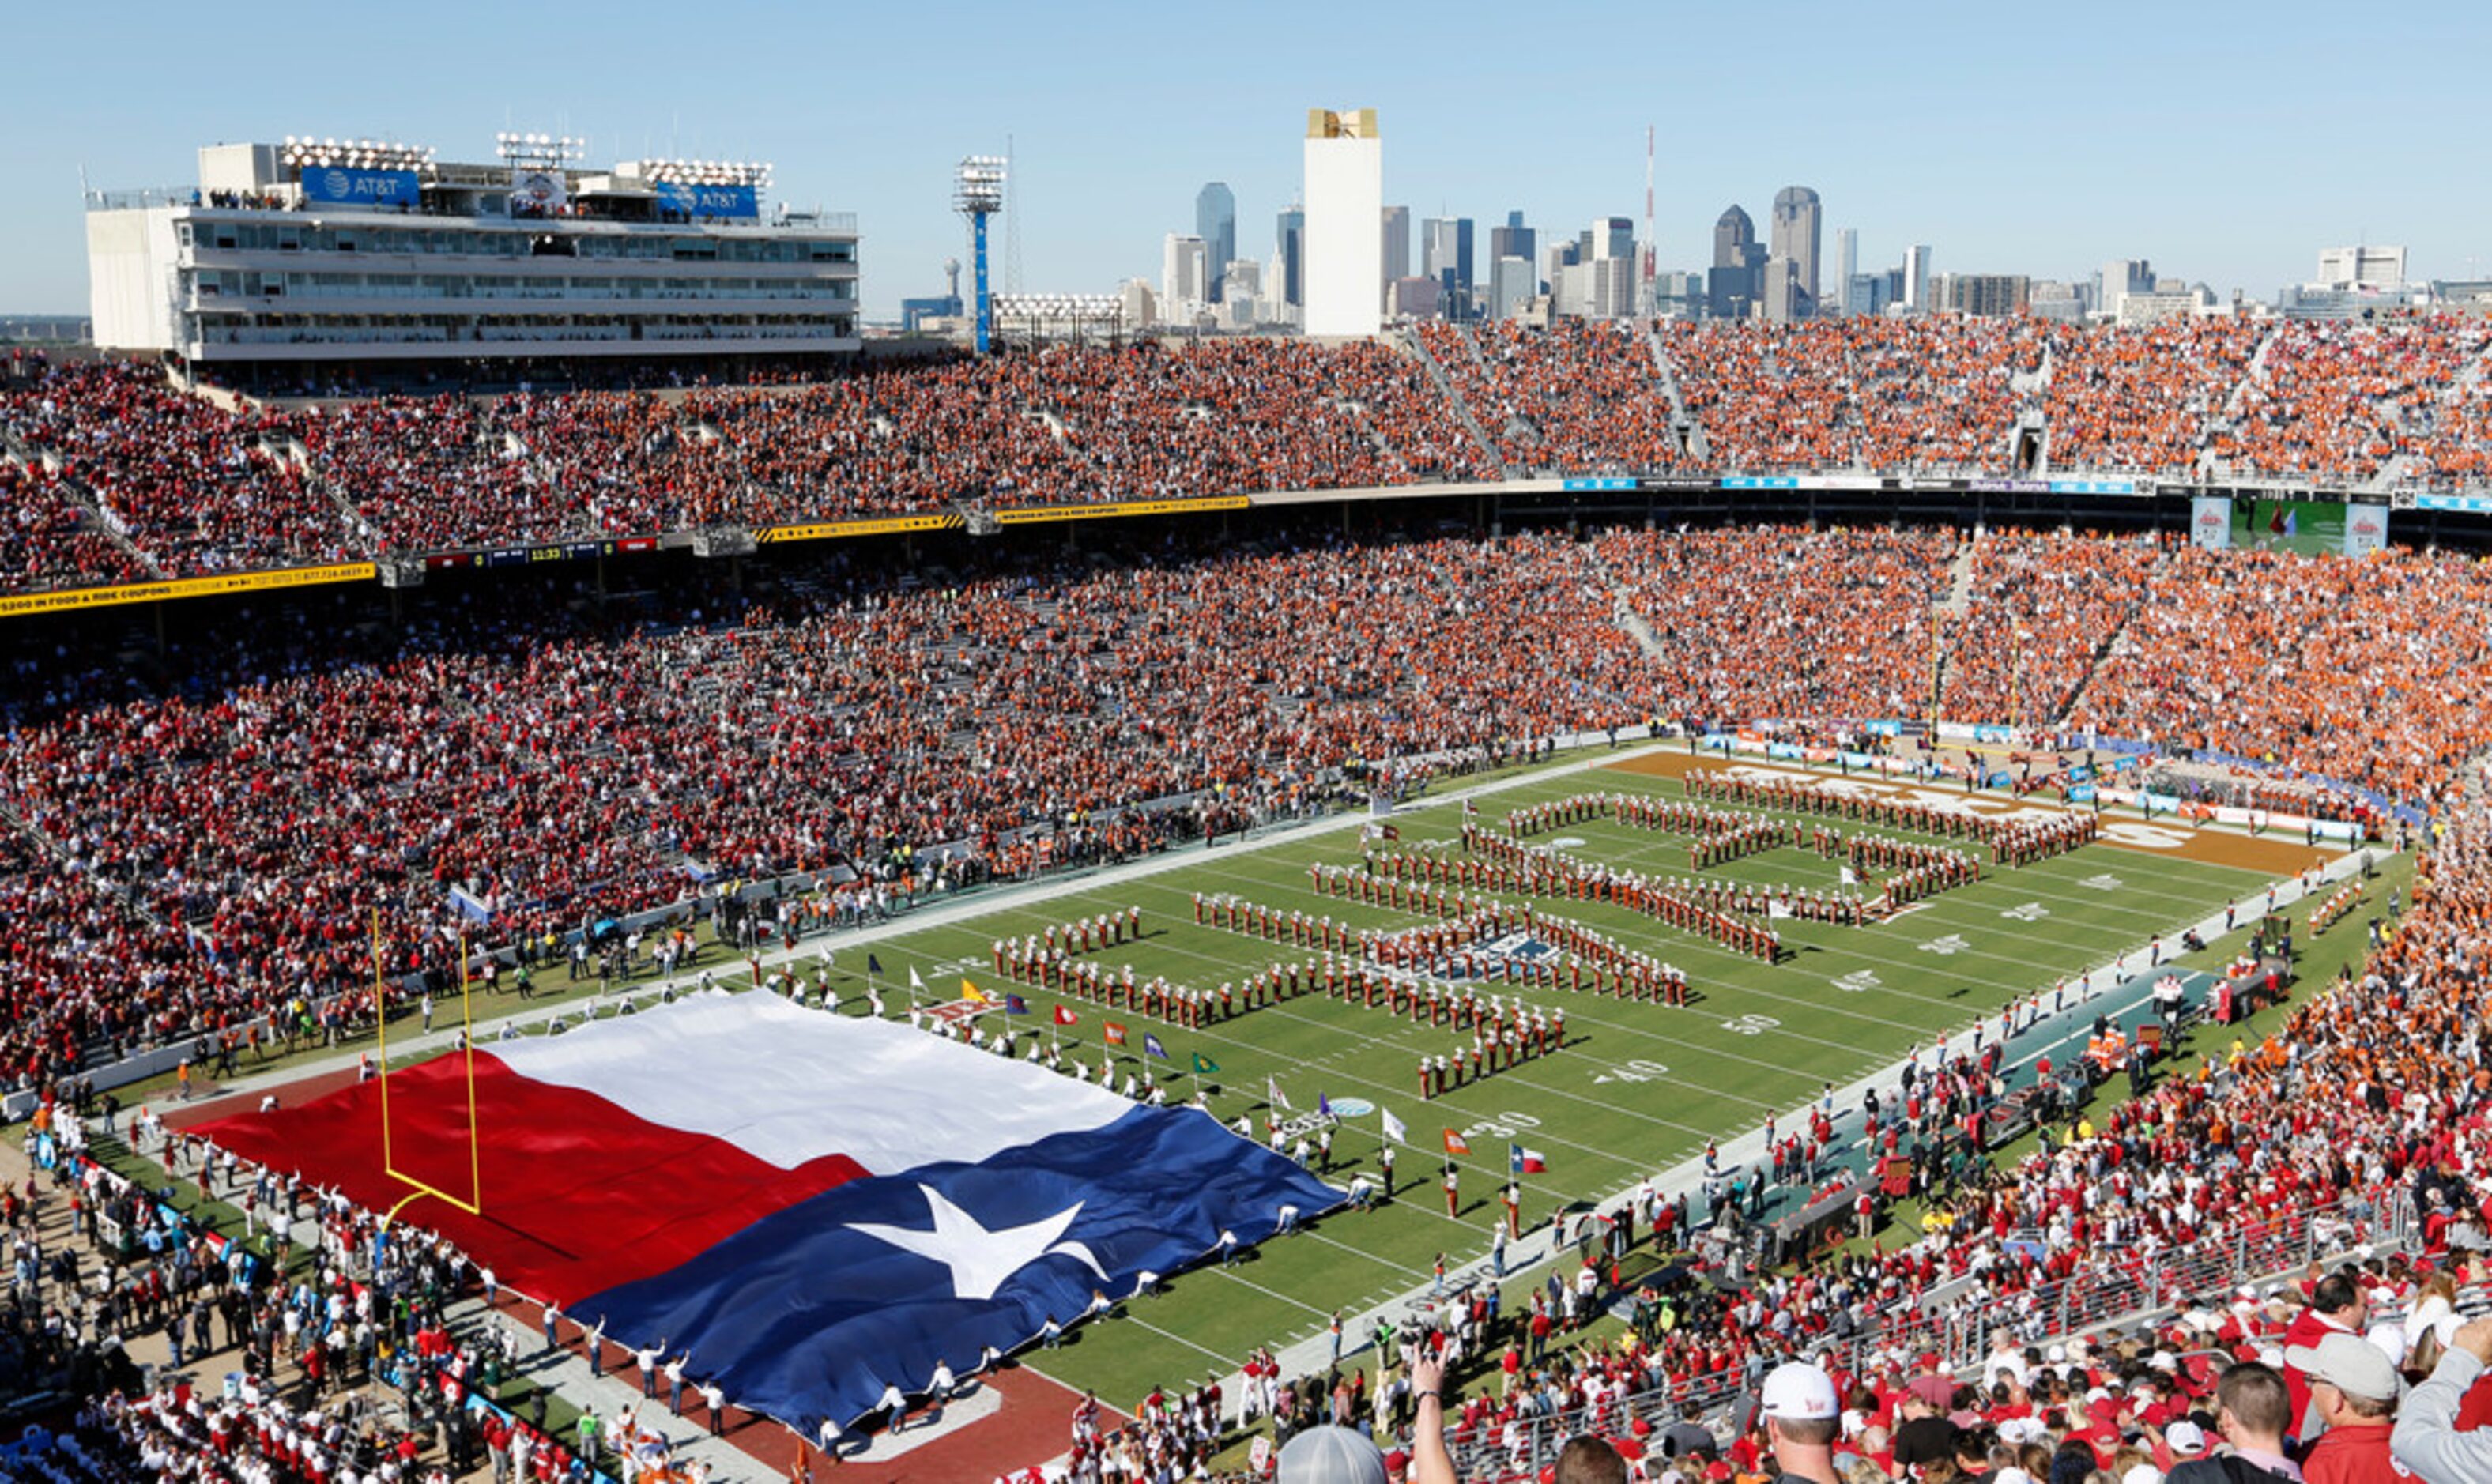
[(1584, 397), (118, 474)]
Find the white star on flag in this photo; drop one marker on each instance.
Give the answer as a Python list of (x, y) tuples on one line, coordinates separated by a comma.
[(981, 1259)]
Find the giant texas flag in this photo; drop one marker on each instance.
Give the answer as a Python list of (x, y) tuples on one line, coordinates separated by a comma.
[(814, 1205)]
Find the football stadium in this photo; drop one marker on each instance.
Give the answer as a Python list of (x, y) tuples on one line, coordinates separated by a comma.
[(651, 888)]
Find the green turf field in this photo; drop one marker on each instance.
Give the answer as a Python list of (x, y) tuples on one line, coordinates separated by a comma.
[(1638, 1087)]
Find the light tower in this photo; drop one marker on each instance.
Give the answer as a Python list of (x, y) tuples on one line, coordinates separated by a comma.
[(979, 193)]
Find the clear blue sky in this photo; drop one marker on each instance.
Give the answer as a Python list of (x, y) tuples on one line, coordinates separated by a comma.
[(2226, 142)]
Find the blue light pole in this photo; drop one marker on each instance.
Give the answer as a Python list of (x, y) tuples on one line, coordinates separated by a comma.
[(979, 193)]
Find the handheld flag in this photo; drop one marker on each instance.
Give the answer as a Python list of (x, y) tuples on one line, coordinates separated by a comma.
[(1455, 1144), (914, 982), (972, 994), (1394, 1128), (1151, 1047), (1205, 1066), (1014, 1004), (1522, 1161), (1323, 1105), (1272, 1094), (1115, 1034), (873, 964), (1064, 1016)]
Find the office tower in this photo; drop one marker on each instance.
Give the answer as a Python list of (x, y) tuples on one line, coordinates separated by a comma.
[(1733, 235), (1612, 237), (1917, 276), (1344, 223), (1185, 274), (1447, 246), (1290, 262), (1511, 282), (1794, 234), (1215, 221), (1397, 246), (1737, 263), (1514, 240), (2122, 275)]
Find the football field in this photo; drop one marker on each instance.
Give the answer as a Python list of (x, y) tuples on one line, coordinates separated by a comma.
[(1638, 1085)]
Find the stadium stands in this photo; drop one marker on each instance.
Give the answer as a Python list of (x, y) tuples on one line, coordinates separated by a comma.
[(155, 482)]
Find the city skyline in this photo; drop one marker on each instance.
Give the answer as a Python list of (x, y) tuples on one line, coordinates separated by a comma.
[(2044, 159)]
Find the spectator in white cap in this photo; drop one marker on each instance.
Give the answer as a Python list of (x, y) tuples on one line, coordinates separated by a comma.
[(2354, 1392), (1330, 1455), (2425, 1438), (1801, 1414)]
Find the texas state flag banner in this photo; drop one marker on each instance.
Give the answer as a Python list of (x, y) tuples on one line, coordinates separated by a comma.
[(814, 1205)]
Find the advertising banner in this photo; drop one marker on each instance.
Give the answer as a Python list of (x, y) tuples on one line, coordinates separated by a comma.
[(2366, 529), (347, 186), (2210, 522), (536, 191), (732, 203)]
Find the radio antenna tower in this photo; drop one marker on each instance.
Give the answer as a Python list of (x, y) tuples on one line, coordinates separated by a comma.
[(1645, 296)]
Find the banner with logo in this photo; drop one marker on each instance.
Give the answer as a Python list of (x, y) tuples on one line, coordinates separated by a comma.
[(2211, 521), (2366, 529), (737, 203), (537, 191), (347, 186)]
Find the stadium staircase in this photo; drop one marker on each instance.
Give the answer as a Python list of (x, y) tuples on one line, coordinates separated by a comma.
[(2208, 467), (1416, 345), (2103, 646), (1690, 432), (1624, 612), (1959, 598)]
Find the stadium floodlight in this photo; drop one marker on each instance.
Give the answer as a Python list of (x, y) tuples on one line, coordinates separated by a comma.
[(702, 173), (539, 151), (300, 151)]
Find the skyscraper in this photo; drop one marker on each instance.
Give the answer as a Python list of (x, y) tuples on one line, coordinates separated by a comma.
[(1215, 221), (1293, 244), (1796, 231), (1513, 240), (1185, 274), (2123, 276), (1397, 246), (1344, 223), (1734, 234), (1917, 276), (1447, 244), (1613, 237), (1732, 286)]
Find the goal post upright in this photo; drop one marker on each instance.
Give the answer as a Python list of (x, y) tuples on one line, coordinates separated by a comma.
[(473, 1203)]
